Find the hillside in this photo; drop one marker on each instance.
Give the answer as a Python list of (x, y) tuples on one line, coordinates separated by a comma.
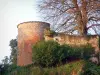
[(73, 68)]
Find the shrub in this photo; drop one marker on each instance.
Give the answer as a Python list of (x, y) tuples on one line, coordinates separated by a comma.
[(59, 70), (83, 52), (87, 50), (74, 53), (49, 53), (91, 69)]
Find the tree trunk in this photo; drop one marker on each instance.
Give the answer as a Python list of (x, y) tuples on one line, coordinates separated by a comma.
[(81, 17), (84, 15)]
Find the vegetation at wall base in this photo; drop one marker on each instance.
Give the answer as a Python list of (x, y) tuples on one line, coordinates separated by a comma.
[(90, 69), (80, 67), (66, 60), (6, 69), (66, 69), (50, 53)]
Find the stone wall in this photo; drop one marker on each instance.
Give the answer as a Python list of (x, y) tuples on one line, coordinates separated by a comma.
[(75, 40), (31, 32), (28, 34)]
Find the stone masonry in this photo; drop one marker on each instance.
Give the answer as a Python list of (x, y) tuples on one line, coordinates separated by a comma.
[(28, 34), (75, 40), (33, 31)]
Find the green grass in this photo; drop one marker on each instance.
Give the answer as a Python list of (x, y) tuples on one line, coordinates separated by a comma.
[(66, 69)]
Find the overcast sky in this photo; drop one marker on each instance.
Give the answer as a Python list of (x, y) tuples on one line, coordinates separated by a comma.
[(13, 12)]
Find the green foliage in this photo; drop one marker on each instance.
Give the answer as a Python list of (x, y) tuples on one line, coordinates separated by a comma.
[(87, 50), (48, 53), (9, 64), (6, 66), (6, 69), (5, 60), (13, 56), (13, 43), (91, 69), (60, 70), (82, 52)]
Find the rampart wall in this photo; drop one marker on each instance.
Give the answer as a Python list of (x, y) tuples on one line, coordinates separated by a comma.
[(75, 40)]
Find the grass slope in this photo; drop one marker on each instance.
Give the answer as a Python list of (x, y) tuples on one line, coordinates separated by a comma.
[(72, 68)]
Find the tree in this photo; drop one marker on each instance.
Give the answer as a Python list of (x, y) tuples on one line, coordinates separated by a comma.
[(13, 56), (5, 60), (72, 15), (4, 66)]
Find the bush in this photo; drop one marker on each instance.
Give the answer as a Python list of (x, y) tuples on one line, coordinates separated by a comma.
[(66, 69), (74, 53), (91, 69), (49, 53), (87, 50), (83, 52)]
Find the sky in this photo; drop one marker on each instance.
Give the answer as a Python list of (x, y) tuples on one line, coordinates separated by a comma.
[(13, 12)]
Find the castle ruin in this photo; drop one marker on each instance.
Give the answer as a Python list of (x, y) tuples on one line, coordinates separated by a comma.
[(31, 32), (28, 34)]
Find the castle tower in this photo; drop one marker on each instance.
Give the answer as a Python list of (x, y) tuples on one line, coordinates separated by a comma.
[(28, 34)]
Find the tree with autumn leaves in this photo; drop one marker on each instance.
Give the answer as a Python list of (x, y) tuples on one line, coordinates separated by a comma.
[(71, 16)]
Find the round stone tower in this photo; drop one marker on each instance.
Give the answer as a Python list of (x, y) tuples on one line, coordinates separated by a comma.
[(28, 34)]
